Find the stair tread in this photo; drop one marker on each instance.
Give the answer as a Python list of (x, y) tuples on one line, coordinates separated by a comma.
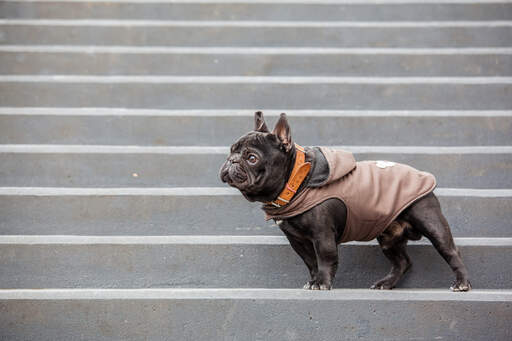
[(204, 191), (487, 295), (86, 111), (250, 50), (209, 240), (132, 149)]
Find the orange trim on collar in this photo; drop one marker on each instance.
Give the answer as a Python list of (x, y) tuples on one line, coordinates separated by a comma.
[(300, 170)]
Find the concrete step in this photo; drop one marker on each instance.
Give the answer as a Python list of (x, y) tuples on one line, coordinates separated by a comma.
[(87, 60), (228, 261), (281, 314), (292, 93), (257, 33), (210, 127), (133, 166), (202, 211), (259, 10)]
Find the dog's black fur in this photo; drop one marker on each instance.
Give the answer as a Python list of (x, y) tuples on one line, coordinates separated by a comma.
[(259, 165)]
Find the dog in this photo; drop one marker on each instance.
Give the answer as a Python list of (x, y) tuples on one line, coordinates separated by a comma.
[(317, 214)]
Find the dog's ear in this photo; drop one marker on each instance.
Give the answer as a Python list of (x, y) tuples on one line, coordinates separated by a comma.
[(282, 131), (259, 122)]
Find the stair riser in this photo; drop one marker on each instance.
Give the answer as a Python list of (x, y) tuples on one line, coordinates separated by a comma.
[(258, 36), (262, 11), (371, 65), (202, 215), (259, 96), (201, 131), (214, 319), (231, 266), (197, 170)]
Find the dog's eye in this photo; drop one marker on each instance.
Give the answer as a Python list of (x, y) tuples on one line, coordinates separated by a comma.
[(252, 158)]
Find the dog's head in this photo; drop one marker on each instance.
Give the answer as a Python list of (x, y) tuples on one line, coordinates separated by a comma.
[(259, 161)]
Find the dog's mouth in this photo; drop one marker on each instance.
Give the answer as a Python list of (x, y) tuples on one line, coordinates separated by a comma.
[(235, 176)]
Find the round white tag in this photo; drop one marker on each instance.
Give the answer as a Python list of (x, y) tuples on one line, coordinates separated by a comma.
[(384, 164)]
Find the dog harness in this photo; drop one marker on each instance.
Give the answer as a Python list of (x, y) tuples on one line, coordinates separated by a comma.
[(374, 192)]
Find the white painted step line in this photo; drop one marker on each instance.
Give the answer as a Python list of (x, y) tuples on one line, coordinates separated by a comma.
[(140, 240), (249, 79), (206, 191), (205, 240), (14, 111), (254, 293), (473, 192), (251, 23), (252, 50), (124, 191), (370, 2), (180, 150), (102, 149)]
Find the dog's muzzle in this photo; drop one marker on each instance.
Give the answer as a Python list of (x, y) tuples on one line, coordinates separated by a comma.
[(232, 173)]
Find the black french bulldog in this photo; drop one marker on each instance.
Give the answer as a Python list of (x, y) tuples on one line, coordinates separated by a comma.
[(259, 165)]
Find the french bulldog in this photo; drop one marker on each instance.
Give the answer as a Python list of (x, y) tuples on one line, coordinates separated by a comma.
[(260, 164)]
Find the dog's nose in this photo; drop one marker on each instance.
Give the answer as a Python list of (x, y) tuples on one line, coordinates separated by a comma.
[(223, 176), (224, 171)]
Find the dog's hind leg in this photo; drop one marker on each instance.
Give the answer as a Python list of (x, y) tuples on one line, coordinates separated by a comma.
[(426, 217), (393, 242)]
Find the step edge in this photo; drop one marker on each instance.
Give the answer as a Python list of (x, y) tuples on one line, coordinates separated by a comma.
[(212, 240), (489, 295), (349, 2), (322, 113), (355, 2), (224, 150), (234, 80), (207, 191), (126, 49), (125, 23)]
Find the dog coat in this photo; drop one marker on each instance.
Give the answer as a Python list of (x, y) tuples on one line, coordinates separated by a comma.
[(374, 192)]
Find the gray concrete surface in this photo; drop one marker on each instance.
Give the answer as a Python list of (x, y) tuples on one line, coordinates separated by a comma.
[(227, 262), (82, 127), (490, 62), (175, 214), (111, 169), (415, 34), (254, 315), (398, 94), (220, 10)]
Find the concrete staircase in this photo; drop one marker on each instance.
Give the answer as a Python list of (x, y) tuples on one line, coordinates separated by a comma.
[(115, 117)]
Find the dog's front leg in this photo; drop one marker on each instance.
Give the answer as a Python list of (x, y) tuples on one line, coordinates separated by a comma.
[(304, 249), (314, 235), (326, 251)]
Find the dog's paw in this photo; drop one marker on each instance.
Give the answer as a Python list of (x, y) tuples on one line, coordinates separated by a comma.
[(308, 285), (461, 285), (381, 287), (314, 285), (321, 286), (383, 284)]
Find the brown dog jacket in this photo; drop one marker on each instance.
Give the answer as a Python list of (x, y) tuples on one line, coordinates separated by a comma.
[(374, 192)]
